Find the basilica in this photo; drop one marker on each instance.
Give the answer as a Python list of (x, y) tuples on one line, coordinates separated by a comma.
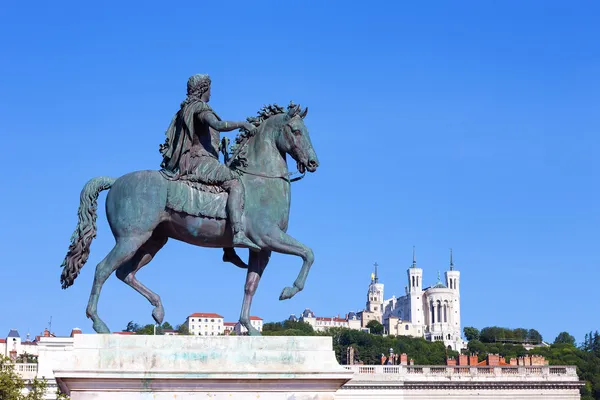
[(432, 312)]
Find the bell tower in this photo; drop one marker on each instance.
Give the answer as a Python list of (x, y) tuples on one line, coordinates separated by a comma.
[(375, 295), (415, 292)]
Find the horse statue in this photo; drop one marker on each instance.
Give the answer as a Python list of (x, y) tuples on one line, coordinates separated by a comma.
[(144, 210)]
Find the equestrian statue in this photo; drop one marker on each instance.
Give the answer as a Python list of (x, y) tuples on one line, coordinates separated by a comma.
[(194, 198)]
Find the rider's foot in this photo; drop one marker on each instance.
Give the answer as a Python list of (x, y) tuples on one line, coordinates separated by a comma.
[(240, 239)]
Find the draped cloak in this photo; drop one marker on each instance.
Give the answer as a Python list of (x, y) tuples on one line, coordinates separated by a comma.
[(182, 147)]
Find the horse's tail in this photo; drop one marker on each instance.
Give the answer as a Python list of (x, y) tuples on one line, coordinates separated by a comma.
[(79, 250)]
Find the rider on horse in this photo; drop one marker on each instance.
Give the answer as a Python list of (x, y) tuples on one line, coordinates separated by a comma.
[(191, 151)]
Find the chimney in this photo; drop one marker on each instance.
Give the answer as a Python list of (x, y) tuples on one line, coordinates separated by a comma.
[(493, 359), (76, 331), (451, 361), (463, 359), (473, 360), (403, 359), (513, 361), (46, 333)]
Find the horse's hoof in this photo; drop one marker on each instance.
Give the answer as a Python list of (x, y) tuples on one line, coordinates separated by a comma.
[(288, 293), (158, 314), (254, 332)]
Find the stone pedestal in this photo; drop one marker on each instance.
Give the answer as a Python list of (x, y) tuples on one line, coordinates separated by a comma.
[(120, 367)]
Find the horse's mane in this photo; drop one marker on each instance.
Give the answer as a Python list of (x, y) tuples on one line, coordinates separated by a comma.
[(263, 114)]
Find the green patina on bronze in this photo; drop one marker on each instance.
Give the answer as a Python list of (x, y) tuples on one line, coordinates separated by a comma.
[(190, 199)]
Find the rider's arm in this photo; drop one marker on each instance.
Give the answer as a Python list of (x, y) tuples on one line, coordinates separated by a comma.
[(221, 126)]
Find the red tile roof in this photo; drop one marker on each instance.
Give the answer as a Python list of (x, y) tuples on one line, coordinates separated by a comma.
[(254, 318), (2, 340), (230, 323), (206, 315)]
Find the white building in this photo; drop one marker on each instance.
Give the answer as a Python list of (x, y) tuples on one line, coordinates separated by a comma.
[(13, 346), (431, 312), (205, 324), (320, 324)]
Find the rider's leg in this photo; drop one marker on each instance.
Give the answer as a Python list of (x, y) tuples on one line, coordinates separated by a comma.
[(234, 211)]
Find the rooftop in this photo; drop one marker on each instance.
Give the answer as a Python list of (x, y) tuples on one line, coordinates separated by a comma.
[(206, 315), (14, 333)]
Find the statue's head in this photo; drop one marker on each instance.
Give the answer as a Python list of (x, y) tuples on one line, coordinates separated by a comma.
[(198, 86)]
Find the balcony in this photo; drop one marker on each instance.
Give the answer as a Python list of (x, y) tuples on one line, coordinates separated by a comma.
[(437, 373), (26, 370)]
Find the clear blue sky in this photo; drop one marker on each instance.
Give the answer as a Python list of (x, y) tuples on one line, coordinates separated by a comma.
[(472, 125)]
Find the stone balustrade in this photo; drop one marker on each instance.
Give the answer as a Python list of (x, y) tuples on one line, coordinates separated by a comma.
[(26, 370), (408, 373)]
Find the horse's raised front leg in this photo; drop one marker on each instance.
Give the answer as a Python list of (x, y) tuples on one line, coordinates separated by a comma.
[(281, 242), (123, 251), (256, 266), (127, 271)]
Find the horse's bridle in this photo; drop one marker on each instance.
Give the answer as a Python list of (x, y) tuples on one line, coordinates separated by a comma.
[(285, 177)]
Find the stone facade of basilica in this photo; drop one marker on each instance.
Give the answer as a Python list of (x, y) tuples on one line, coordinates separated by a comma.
[(431, 312)]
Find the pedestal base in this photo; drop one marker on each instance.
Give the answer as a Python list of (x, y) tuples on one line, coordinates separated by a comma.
[(119, 367)]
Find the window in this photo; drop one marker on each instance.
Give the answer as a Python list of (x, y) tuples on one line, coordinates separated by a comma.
[(212, 320), (205, 333), (192, 319), (205, 319), (406, 328)]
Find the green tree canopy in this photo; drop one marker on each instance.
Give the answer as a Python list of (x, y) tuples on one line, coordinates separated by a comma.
[(375, 327), (564, 338), (471, 333), (11, 384)]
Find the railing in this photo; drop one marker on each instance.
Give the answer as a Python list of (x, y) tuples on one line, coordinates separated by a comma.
[(462, 373), (25, 370)]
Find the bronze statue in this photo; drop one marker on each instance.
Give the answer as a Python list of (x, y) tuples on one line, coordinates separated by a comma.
[(189, 200)]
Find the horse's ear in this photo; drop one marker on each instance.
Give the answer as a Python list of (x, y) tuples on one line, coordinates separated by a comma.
[(293, 111), (303, 113)]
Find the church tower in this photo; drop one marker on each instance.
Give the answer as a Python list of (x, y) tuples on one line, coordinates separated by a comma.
[(453, 283), (415, 292), (453, 277), (375, 295)]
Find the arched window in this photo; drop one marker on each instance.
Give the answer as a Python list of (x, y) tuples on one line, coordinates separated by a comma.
[(406, 328), (413, 281)]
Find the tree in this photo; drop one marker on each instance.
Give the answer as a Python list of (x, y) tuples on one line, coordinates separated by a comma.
[(564, 338), (183, 329), (11, 384), (471, 333), (375, 327), (534, 336), (166, 325), (132, 327)]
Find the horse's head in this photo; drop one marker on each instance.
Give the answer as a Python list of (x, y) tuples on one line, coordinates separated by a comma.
[(294, 139)]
